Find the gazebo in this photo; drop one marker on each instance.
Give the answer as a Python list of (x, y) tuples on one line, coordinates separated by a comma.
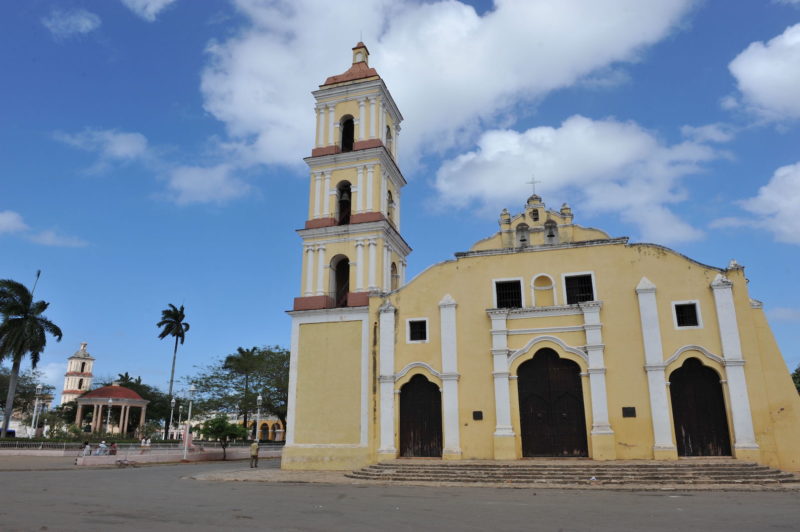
[(109, 397)]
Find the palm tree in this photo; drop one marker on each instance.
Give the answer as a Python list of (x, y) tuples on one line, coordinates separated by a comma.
[(23, 330), (244, 362), (172, 325)]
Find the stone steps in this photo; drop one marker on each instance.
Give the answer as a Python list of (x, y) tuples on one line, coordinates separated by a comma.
[(581, 473)]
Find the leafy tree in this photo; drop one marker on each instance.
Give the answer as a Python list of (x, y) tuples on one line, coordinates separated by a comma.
[(219, 428), (172, 324), (796, 378), (227, 387), (25, 396), (24, 330)]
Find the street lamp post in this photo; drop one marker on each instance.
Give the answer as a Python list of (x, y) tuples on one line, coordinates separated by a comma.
[(171, 410), (259, 400), (188, 422), (35, 420), (180, 415), (108, 417)]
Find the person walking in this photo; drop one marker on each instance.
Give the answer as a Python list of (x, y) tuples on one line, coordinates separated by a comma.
[(254, 454)]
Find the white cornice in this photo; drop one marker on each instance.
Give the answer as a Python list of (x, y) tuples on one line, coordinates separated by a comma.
[(356, 158), (340, 93), (353, 230)]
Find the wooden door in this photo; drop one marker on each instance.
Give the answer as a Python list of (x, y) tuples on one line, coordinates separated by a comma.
[(552, 419), (698, 411), (420, 418)]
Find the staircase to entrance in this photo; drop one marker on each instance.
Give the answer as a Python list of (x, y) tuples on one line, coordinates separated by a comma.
[(689, 473)]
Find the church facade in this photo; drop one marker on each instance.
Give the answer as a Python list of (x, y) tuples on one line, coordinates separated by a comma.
[(547, 339)]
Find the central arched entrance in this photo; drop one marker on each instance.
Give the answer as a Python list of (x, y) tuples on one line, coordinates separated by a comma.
[(420, 418), (551, 415), (698, 411)]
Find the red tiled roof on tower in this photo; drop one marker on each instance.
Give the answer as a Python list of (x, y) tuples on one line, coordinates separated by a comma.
[(359, 70), (114, 391)]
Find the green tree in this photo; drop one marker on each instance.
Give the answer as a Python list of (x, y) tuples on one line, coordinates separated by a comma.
[(23, 331), (226, 387), (172, 324), (218, 428), (796, 378), (245, 363), (25, 395)]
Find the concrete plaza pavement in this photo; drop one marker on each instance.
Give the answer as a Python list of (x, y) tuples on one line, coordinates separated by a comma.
[(170, 497)]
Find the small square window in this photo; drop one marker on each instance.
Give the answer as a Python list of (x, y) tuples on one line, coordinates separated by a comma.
[(417, 330), (509, 294), (686, 315), (628, 411), (477, 415), (579, 288)]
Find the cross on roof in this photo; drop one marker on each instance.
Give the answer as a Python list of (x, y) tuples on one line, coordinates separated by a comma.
[(533, 183)]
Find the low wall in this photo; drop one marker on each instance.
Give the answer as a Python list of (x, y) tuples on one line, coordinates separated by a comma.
[(174, 455), (38, 452)]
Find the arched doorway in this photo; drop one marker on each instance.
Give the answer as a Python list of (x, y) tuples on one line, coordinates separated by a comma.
[(551, 415), (698, 411), (420, 418)]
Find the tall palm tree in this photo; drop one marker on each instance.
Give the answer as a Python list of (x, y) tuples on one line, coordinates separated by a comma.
[(23, 330), (244, 362), (172, 324)]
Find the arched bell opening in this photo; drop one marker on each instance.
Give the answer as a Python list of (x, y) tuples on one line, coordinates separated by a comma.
[(343, 202), (395, 277), (698, 411), (523, 235), (340, 279), (347, 127), (550, 232), (551, 412), (420, 418)]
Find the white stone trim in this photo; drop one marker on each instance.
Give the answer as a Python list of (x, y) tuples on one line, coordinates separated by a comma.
[(360, 181), (322, 265), (408, 331), (309, 290), (744, 435), (413, 365), (653, 355), (561, 310), (504, 279), (512, 356), (696, 303), (552, 288), (573, 274), (372, 245), (543, 330), (359, 265), (386, 324), (449, 347), (702, 350), (326, 193)]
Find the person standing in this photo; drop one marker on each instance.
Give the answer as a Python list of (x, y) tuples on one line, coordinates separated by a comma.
[(254, 454)]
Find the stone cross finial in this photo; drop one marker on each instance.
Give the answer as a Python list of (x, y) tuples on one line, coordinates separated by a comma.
[(533, 183)]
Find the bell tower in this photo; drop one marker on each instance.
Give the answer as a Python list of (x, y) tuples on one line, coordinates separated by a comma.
[(78, 378), (351, 240)]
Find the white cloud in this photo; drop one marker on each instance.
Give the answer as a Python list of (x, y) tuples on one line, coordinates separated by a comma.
[(11, 222), (768, 76), (708, 133), (147, 9), (788, 2), (112, 146), (784, 314), (55, 239), (776, 206), (448, 67), (611, 166), (68, 23), (197, 184)]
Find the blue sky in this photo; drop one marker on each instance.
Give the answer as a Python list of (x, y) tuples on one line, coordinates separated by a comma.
[(151, 150)]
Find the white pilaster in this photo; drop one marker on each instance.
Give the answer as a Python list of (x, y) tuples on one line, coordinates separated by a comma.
[(500, 373), (384, 190), (381, 121), (386, 366), (372, 243), (397, 209), (744, 436), (331, 122), (317, 193), (654, 365), (387, 271), (447, 313), (370, 175), (321, 266), (320, 115), (403, 265), (309, 271), (372, 118), (359, 265), (396, 149), (360, 193), (362, 119), (597, 368), (326, 200)]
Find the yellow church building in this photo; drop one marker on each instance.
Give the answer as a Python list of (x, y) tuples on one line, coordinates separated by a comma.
[(547, 339)]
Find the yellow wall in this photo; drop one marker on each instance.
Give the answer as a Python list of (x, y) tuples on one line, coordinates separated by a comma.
[(328, 383)]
